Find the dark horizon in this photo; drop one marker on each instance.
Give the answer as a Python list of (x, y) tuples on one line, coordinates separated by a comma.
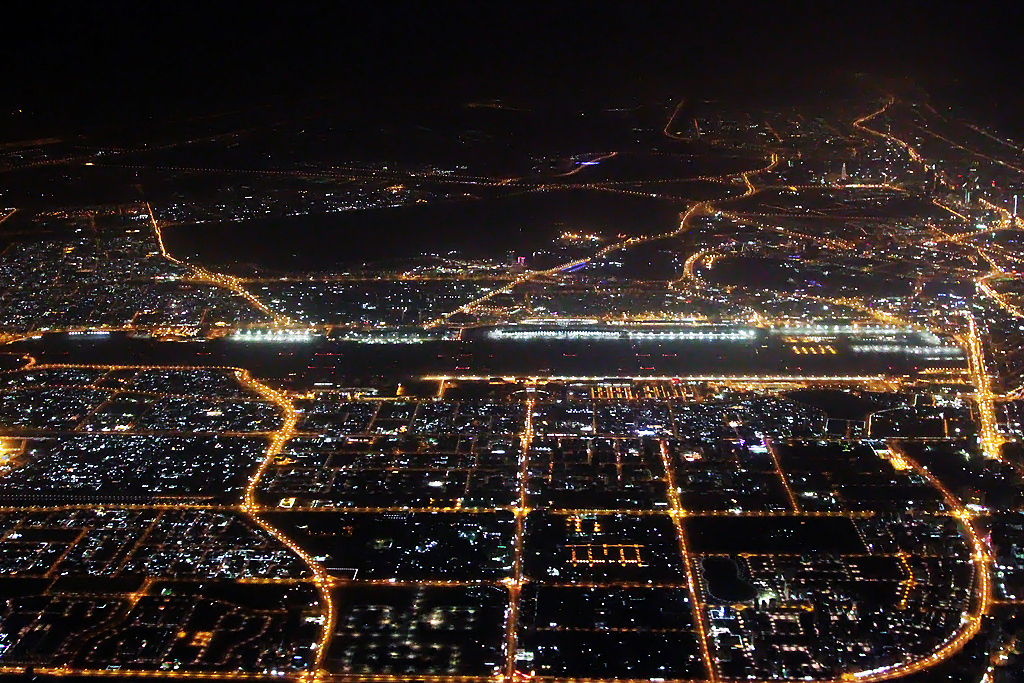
[(75, 68)]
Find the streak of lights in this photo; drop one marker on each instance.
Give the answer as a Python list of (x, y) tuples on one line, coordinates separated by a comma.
[(907, 584), (970, 151), (782, 475), (515, 582), (677, 513), (971, 621), (321, 578), (988, 437), (989, 291), (526, 277), (672, 118), (752, 379), (859, 124), (226, 281)]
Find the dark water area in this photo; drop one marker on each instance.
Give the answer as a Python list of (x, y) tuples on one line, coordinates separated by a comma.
[(270, 361), (695, 190), (641, 167), (46, 186), (11, 361), (346, 362), (724, 580), (484, 228), (337, 362)]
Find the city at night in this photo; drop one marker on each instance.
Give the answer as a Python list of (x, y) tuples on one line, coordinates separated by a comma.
[(510, 343)]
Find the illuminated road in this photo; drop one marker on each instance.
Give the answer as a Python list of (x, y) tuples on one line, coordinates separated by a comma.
[(972, 617), (1003, 302), (970, 151), (782, 475), (668, 125), (532, 275), (321, 578), (200, 274), (1006, 221), (696, 601), (989, 438), (515, 583), (859, 125), (831, 242)]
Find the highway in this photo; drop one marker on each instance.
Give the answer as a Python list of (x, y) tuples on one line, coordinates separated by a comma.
[(521, 510), (972, 617), (677, 513), (321, 578), (200, 274), (989, 438)]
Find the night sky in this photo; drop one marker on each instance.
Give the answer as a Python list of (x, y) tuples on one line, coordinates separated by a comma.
[(77, 65)]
